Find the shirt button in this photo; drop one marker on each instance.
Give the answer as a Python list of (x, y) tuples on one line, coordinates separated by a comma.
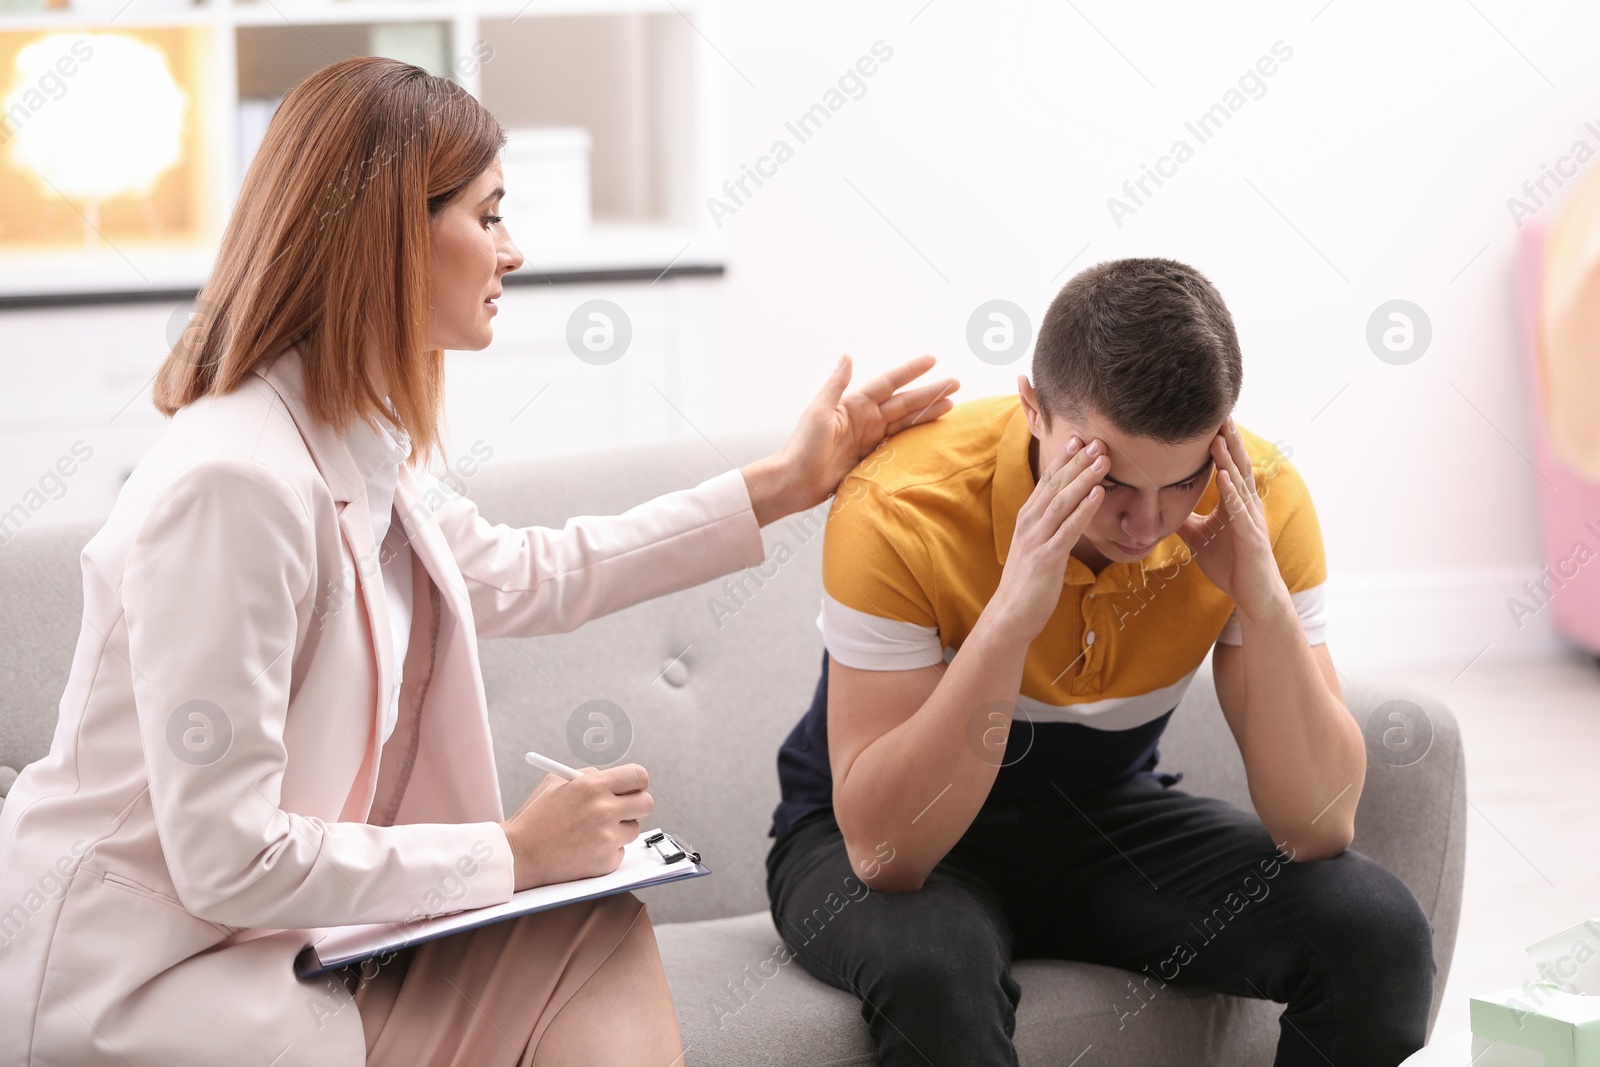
[(1088, 638)]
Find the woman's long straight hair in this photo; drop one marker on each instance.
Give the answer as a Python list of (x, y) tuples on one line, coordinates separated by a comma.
[(328, 247)]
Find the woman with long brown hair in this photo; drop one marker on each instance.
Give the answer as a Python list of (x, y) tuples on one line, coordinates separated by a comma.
[(275, 718)]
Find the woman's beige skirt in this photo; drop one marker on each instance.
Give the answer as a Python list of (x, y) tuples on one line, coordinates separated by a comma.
[(484, 997)]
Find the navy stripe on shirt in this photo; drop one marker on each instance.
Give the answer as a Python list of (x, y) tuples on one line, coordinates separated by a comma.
[(1040, 759)]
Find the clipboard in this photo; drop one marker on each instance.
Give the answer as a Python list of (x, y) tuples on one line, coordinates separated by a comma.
[(653, 858)]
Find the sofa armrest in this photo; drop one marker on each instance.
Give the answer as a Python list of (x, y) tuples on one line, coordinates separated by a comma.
[(1413, 810), (1413, 813)]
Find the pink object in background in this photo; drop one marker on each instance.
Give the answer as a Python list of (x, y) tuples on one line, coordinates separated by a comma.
[(1569, 504)]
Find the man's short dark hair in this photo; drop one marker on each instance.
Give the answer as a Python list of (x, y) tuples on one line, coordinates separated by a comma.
[(1147, 343)]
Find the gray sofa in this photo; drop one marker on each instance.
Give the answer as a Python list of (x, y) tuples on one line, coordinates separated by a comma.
[(709, 692)]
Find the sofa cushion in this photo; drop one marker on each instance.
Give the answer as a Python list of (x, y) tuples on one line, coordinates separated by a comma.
[(741, 999)]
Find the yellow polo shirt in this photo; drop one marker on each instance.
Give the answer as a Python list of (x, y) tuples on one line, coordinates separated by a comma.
[(913, 550), (919, 532)]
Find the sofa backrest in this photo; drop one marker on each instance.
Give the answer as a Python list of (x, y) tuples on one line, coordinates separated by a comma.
[(41, 612), (708, 681)]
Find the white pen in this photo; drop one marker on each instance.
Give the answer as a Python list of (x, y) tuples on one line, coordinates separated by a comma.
[(545, 763)]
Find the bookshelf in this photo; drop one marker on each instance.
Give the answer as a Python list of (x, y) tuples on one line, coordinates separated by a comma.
[(83, 328), (634, 73)]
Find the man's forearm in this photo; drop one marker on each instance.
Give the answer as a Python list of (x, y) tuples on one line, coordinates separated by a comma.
[(1305, 756), (919, 786)]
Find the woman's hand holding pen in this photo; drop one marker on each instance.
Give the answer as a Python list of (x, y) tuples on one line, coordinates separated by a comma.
[(576, 829)]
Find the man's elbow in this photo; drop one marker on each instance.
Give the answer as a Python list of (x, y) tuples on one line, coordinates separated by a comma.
[(904, 880), (1315, 842), (883, 867)]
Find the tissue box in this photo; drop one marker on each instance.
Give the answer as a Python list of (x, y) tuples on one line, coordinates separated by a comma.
[(1571, 959), (1536, 1024)]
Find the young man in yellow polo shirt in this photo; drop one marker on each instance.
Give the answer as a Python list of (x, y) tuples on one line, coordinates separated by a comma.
[(1017, 595)]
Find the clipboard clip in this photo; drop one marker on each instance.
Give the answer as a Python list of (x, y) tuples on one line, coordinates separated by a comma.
[(667, 847)]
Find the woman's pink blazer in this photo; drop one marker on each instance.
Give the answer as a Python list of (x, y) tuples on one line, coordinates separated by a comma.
[(212, 792)]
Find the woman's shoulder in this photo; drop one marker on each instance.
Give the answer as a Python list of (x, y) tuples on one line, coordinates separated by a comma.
[(251, 423), (244, 436)]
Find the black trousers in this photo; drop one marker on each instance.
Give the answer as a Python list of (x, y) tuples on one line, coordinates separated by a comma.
[(1174, 887)]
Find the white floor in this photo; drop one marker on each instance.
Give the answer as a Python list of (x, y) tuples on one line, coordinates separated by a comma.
[(1532, 737)]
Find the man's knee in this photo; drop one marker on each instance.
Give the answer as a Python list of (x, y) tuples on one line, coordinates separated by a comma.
[(950, 989), (1362, 910), (912, 942), (946, 965)]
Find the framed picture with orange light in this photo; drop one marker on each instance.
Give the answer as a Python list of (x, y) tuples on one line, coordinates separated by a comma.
[(107, 143)]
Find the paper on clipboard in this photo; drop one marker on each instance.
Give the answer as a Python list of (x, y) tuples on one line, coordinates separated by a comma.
[(641, 866)]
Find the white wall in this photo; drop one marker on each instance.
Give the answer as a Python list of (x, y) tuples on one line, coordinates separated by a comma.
[(1376, 165)]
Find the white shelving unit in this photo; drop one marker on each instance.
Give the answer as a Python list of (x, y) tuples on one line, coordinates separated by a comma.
[(656, 102), (81, 334)]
